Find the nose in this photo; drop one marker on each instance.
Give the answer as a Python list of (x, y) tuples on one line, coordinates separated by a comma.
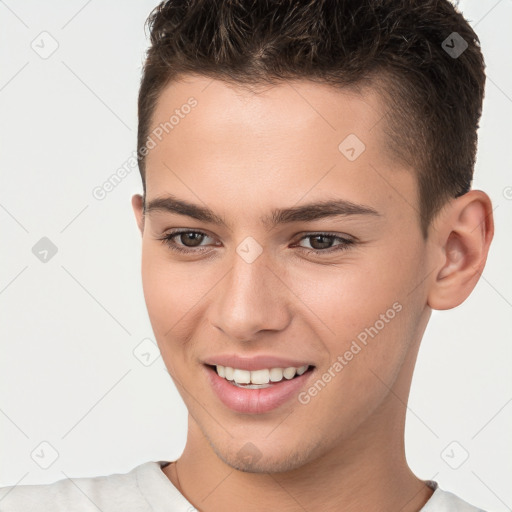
[(250, 299)]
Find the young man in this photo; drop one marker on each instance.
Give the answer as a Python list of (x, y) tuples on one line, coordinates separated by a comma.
[(306, 171)]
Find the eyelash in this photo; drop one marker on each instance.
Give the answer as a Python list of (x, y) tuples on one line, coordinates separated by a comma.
[(168, 240)]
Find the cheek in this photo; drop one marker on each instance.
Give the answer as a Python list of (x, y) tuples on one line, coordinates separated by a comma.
[(175, 295), (364, 314), (168, 290), (352, 296), (372, 321)]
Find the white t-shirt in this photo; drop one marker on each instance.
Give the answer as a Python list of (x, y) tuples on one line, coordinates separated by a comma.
[(145, 488)]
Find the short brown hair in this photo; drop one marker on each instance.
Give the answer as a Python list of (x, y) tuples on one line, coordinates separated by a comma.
[(401, 46)]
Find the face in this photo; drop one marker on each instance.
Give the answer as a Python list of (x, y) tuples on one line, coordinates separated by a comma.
[(299, 247)]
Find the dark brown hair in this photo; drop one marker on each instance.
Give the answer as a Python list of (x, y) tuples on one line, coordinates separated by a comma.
[(406, 48)]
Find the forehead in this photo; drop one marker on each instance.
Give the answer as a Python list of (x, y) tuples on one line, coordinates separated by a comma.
[(278, 141), (284, 111)]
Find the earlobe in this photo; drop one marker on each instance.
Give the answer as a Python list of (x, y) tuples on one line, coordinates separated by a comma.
[(464, 236), (138, 210)]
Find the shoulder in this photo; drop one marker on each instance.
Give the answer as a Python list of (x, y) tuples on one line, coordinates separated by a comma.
[(112, 493), (444, 501)]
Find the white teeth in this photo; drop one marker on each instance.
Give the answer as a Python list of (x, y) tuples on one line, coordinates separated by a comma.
[(242, 376), (259, 377), (276, 374), (302, 369), (289, 373)]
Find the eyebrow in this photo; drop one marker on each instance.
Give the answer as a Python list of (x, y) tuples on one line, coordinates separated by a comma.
[(305, 213)]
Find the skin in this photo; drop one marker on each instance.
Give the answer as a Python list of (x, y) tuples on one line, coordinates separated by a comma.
[(242, 155)]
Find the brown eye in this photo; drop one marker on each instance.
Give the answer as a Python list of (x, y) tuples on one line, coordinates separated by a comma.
[(319, 242), (185, 241), (190, 238), (325, 243)]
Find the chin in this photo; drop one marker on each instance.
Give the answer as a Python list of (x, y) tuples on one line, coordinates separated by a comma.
[(251, 459)]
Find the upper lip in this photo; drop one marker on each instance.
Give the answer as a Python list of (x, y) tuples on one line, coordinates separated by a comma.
[(258, 362)]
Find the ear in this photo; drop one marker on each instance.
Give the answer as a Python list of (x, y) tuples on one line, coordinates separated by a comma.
[(138, 210), (462, 238)]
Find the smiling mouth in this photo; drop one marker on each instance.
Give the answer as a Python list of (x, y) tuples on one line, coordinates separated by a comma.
[(259, 379)]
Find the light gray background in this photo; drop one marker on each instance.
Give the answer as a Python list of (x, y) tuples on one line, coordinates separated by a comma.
[(69, 376)]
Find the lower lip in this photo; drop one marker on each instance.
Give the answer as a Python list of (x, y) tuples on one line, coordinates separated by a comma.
[(255, 401)]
